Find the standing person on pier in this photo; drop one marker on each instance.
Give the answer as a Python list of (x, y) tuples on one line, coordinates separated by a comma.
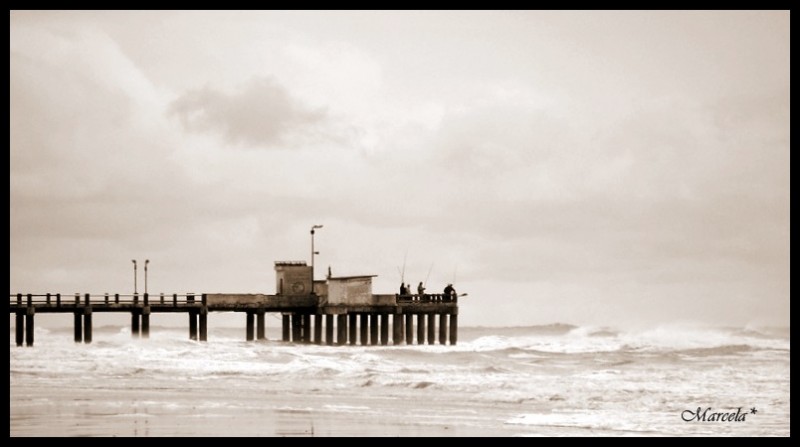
[(403, 290), (421, 291), (449, 291)]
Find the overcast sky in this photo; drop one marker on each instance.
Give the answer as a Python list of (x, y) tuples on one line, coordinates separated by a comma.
[(606, 168)]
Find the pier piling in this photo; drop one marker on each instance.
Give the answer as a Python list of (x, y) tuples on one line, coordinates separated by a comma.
[(397, 329), (20, 328), (329, 329), (409, 329), (78, 326), (260, 324), (135, 323), (431, 329), (420, 329), (296, 327), (192, 324), (285, 327), (384, 329), (341, 329), (203, 323), (318, 329), (250, 325), (373, 329), (363, 330), (442, 329), (87, 324), (453, 328), (146, 320), (29, 325), (352, 328), (306, 328)]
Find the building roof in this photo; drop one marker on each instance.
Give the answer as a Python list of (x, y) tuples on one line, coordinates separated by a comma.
[(350, 277)]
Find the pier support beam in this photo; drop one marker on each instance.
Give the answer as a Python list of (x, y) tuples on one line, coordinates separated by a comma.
[(134, 323), (192, 324), (318, 329), (384, 329), (145, 322), (20, 328), (397, 329), (203, 323), (29, 326), (453, 329), (329, 329), (341, 329), (352, 328), (250, 318), (442, 329), (87, 324), (296, 327), (431, 329), (286, 328), (306, 328), (364, 329), (420, 329), (260, 324), (78, 318), (410, 329), (373, 329)]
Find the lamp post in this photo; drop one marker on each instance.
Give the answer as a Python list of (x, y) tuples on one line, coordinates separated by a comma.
[(146, 261), (134, 276), (312, 255)]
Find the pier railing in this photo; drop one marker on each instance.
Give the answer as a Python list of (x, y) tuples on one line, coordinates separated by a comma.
[(427, 298), (88, 299)]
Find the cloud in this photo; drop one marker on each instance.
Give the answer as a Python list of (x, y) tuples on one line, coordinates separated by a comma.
[(262, 113)]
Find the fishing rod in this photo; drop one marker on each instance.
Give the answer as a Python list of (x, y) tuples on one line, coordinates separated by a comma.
[(429, 274)]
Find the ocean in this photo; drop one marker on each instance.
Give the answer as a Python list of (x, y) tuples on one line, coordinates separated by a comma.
[(551, 380)]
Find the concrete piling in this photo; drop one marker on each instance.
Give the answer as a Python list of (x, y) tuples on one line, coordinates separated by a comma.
[(329, 329), (443, 329), (318, 329), (384, 329), (135, 323), (352, 328), (20, 328), (260, 324), (420, 329), (453, 328), (341, 329), (250, 318), (29, 325), (306, 328), (192, 324), (397, 329), (286, 328), (146, 321), (87, 324), (373, 329), (296, 327), (364, 328), (78, 326), (203, 316), (431, 329), (409, 328)]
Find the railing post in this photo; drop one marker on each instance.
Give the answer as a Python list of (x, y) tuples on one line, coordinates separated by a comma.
[(58, 299), (48, 299), (175, 299), (86, 303), (105, 298), (135, 299), (30, 300), (146, 299), (19, 299), (162, 297), (116, 298)]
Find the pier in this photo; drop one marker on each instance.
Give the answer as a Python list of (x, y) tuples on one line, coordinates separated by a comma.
[(344, 309)]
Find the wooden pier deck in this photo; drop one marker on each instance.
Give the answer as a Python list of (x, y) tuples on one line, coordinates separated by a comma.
[(365, 324)]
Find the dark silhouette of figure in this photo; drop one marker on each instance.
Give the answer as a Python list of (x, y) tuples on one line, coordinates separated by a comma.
[(403, 290), (449, 292), (421, 291)]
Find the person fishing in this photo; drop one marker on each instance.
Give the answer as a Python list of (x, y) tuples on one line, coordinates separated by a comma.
[(421, 291), (449, 292), (403, 290)]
